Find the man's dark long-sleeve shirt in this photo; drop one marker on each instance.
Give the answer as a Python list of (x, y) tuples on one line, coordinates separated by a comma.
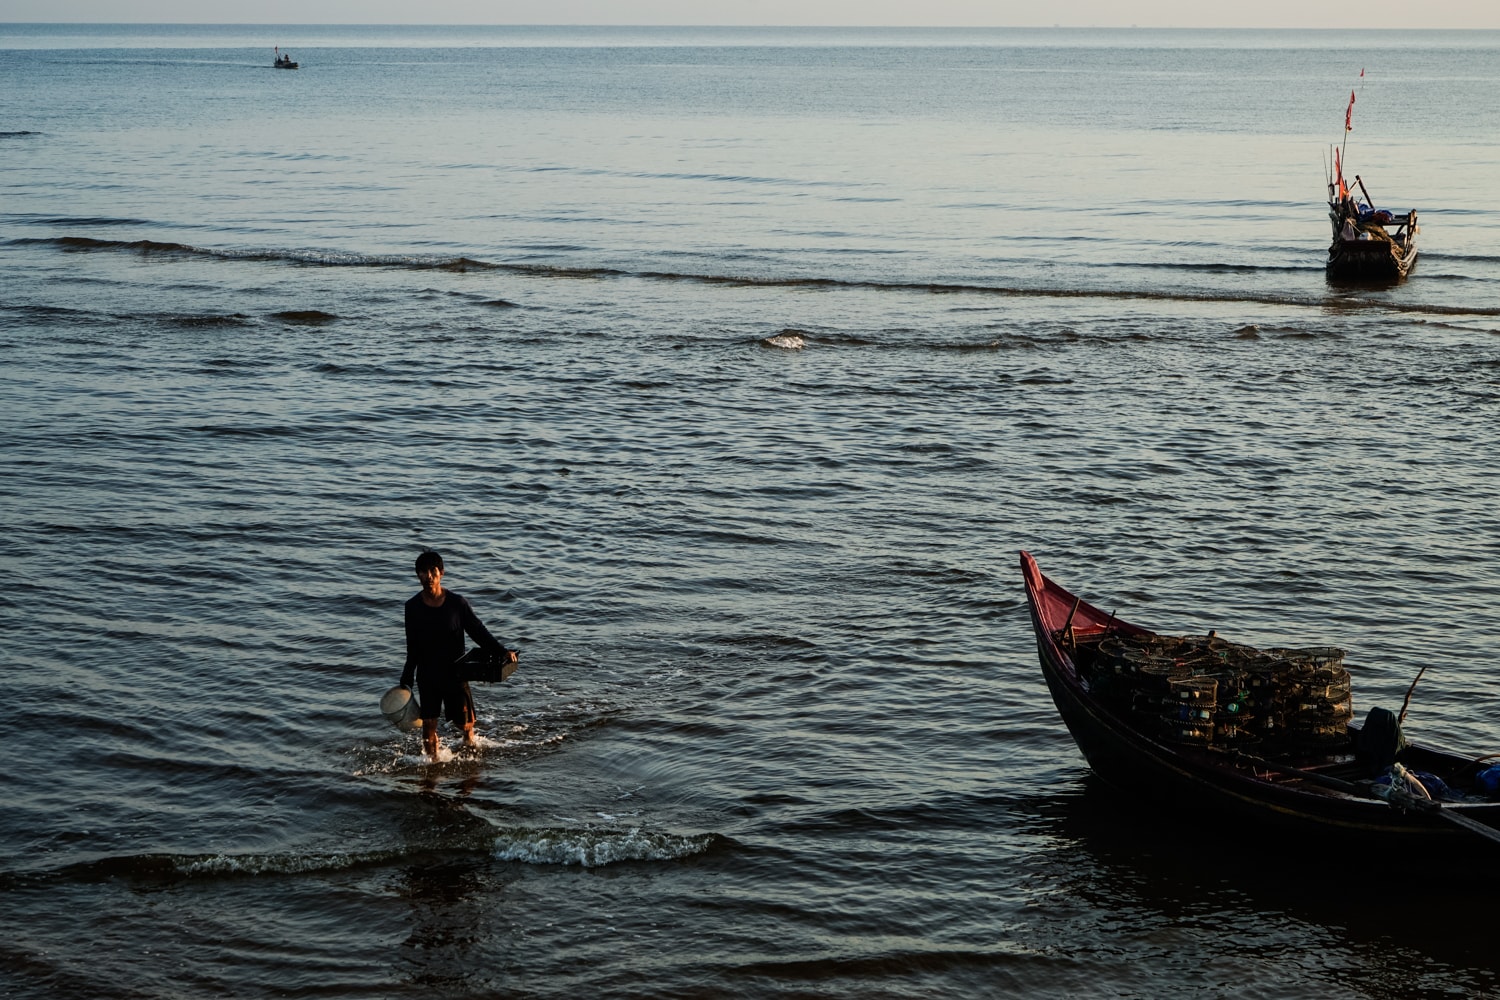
[(435, 636)]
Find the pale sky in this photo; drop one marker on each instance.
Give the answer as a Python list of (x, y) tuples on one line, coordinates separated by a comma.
[(979, 13)]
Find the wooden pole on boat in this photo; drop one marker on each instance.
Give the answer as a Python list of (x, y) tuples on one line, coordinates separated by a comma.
[(1365, 791), (1362, 188), (1326, 780), (1348, 126), (1472, 825), (1067, 629), (1406, 702)]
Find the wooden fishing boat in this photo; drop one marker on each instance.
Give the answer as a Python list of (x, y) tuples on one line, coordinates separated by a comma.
[(282, 60), (1144, 711), (1370, 246)]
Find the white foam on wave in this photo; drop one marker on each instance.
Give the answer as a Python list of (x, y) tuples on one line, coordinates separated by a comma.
[(593, 848), (786, 341), (225, 865)]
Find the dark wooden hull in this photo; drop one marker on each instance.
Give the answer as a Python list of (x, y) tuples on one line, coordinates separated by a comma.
[(1385, 259), (1208, 785), (1369, 261)]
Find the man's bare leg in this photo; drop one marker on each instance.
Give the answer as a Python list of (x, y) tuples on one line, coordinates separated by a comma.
[(469, 718)]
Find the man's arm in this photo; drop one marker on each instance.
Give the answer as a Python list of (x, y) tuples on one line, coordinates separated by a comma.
[(409, 669), (480, 634)]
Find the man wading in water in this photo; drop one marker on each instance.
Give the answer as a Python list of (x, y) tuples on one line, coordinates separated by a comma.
[(436, 620)]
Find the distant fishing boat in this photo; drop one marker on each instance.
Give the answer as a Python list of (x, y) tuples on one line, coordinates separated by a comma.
[(1370, 245), (283, 61)]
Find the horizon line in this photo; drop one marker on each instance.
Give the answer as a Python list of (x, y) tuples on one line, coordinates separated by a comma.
[(702, 26)]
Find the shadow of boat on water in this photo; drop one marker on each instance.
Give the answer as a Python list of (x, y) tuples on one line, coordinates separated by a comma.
[(1385, 911)]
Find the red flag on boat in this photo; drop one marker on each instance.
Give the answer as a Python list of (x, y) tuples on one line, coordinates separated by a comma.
[(1349, 112)]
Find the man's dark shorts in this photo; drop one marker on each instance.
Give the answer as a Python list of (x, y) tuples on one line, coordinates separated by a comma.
[(442, 694)]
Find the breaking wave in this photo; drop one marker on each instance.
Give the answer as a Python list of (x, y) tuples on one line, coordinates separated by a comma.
[(177, 867), (584, 848), (431, 262), (594, 848)]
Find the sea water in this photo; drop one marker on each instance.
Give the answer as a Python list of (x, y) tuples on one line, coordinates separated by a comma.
[(729, 370)]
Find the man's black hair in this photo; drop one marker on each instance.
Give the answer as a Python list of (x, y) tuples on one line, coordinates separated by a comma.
[(427, 559)]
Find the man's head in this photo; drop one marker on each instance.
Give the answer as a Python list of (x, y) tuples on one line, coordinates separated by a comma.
[(429, 560)]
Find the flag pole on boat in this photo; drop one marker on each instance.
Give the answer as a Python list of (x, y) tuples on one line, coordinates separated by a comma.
[(1338, 154)]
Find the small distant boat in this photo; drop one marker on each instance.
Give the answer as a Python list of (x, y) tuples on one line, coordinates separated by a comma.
[(1258, 741), (283, 61), (1370, 245)]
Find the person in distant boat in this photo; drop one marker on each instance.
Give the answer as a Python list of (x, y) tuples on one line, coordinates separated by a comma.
[(436, 620)]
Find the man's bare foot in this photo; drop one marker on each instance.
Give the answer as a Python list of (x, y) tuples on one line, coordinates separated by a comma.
[(470, 740)]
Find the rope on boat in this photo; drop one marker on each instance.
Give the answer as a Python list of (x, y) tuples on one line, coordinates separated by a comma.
[(1403, 790)]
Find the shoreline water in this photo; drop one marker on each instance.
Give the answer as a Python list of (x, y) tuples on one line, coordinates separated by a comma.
[(729, 380)]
